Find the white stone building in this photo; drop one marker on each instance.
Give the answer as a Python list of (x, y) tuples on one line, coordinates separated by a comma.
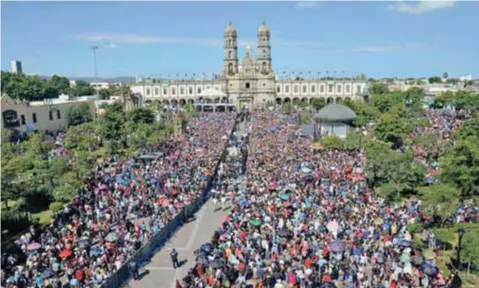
[(251, 82), (49, 114)]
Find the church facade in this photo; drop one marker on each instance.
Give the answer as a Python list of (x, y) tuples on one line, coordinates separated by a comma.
[(251, 82)]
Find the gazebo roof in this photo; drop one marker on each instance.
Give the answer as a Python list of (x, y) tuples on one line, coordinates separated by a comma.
[(336, 112)]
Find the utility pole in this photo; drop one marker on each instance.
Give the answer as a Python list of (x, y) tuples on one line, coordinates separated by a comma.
[(94, 48)]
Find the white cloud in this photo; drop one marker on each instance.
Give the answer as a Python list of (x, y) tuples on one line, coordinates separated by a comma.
[(110, 40), (306, 5), (389, 48), (119, 38), (421, 7)]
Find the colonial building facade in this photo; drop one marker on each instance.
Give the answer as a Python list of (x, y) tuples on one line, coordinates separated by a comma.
[(251, 82)]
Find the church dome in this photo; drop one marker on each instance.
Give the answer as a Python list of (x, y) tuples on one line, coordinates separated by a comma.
[(230, 29), (263, 28)]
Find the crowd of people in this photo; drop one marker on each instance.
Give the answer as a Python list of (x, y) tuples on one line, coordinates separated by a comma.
[(119, 209), (443, 123), (307, 219)]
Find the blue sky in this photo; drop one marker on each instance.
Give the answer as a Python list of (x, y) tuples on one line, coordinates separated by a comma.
[(160, 38)]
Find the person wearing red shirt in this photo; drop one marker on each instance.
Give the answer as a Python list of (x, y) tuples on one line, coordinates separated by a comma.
[(80, 275)]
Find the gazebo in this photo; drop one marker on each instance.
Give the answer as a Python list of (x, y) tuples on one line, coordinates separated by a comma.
[(334, 119)]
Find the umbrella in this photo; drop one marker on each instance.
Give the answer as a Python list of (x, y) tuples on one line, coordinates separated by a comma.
[(417, 260), (332, 226), (404, 243), (48, 273), (179, 205), (163, 202), (112, 237), (429, 268), (284, 197), (244, 203), (84, 243), (201, 259), (208, 247), (256, 222), (283, 233), (305, 170), (102, 187), (217, 263), (95, 251), (34, 246), (287, 204), (65, 254), (337, 246)]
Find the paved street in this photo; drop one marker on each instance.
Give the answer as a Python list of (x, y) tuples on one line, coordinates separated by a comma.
[(187, 239)]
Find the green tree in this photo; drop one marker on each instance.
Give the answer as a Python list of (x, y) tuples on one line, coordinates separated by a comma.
[(331, 142), (365, 113), (469, 129), (287, 108), (318, 103), (141, 115), (435, 79), (440, 199), (460, 166), (378, 88), (82, 88), (392, 128), (60, 84), (79, 114), (104, 93)]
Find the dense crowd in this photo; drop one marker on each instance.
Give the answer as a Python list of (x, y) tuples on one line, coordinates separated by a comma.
[(443, 123), (308, 219), (119, 209)]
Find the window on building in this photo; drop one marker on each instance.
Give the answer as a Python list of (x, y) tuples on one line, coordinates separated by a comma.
[(278, 89), (339, 88), (330, 89), (230, 54), (286, 89), (199, 90), (182, 91), (358, 89), (34, 117), (321, 88), (247, 85), (59, 116), (313, 89), (173, 91), (348, 89), (22, 118), (156, 91), (190, 91), (305, 89), (295, 89), (148, 91), (50, 115)]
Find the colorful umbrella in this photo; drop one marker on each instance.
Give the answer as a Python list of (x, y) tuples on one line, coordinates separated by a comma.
[(65, 254), (163, 202), (337, 246), (34, 246), (112, 237), (429, 268), (256, 222), (333, 226)]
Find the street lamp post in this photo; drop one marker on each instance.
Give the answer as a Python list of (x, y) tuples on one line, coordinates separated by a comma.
[(460, 233), (94, 48)]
